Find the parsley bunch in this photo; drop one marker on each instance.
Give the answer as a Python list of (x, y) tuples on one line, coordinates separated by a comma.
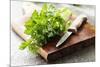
[(44, 25)]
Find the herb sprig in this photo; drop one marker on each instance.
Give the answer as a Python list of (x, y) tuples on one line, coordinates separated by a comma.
[(44, 25)]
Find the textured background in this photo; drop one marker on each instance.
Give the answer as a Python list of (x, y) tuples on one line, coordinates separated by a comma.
[(18, 8)]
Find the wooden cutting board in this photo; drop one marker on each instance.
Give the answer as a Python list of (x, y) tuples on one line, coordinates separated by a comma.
[(83, 38)]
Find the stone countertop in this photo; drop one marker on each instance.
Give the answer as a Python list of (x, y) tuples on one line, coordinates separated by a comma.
[(24, 57)]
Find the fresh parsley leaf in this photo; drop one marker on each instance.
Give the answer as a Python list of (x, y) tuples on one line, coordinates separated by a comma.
[(25, 44), (44, 25)]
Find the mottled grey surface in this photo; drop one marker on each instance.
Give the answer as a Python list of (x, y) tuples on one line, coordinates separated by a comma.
[(19, 57)]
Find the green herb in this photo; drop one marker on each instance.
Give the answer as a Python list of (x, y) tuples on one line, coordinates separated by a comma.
[(44, 25)]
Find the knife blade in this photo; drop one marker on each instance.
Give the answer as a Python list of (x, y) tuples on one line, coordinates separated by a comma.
[(73, 28)]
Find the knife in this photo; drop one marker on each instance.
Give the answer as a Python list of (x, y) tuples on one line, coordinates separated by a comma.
[(73, 28)]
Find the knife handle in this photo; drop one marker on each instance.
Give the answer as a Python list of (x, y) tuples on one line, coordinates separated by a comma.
[(77, 23)]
